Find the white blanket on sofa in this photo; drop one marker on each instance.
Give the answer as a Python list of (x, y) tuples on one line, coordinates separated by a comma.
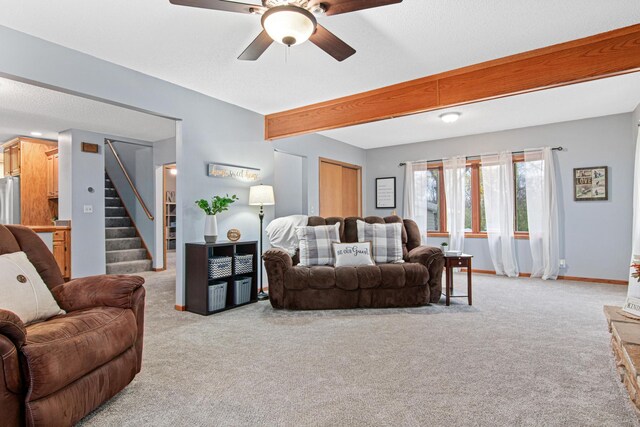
[(282, 232)]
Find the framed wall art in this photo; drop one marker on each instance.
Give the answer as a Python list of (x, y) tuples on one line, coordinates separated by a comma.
[(591, 184), (386, 193)]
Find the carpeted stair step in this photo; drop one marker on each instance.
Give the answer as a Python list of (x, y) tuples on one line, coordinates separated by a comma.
[(112, 202), (126, 255), (129, 267), (118, 221), (108, 183), (123, 243), (111, 211), (119, 232), (110, 192)]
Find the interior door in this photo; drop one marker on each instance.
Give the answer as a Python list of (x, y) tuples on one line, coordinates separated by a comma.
[(340, 189)]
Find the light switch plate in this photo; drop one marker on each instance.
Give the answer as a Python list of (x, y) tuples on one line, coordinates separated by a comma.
[(88, 208)]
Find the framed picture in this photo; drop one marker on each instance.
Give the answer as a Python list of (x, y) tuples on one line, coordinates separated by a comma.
[(386, 193), (590, 183)]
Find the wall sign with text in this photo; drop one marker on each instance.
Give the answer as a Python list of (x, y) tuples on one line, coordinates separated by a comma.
[(239, 173), (590, 183), (386, 193)]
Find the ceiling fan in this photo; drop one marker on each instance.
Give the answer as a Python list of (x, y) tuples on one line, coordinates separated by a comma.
[(292, 22)]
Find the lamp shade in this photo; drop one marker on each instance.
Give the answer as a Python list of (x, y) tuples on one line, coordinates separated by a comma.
[(289, 25), (261, 195)]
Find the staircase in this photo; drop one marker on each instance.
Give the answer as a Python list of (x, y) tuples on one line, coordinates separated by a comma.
[(125, 253)]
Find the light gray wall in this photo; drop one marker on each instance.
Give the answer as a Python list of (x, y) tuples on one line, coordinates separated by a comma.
[(164, 151), (595, 236), (290, 178), (80, 171), (635, 122), (313, 147), (210, 131)]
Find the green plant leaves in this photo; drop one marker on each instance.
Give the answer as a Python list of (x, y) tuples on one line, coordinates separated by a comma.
[(218, 204)]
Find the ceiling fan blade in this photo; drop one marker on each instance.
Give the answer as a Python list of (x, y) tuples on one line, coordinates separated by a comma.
[(224, 5), (257, 47), (335, 7), (331, 44)]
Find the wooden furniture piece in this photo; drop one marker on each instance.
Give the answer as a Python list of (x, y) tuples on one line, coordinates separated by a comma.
[(197, 273), (625, 343), (603, 55), (457, 261), (27, 158), (52, 173), (61, 246), (340, 189)]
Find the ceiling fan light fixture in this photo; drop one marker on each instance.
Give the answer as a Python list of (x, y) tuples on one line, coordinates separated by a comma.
[(289, 25)]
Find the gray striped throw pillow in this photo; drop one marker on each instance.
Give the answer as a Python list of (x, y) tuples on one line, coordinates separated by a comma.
[(386, 239), (316, 243)]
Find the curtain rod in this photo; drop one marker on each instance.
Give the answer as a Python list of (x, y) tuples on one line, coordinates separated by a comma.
[(471, 157)]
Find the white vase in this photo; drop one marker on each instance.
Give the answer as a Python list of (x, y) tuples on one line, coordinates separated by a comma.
[(210, 229)]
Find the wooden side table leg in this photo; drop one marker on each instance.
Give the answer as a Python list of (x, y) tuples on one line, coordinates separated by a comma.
[(469, 282)]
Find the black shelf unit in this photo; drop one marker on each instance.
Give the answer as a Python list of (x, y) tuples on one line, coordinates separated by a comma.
[(197, 273)]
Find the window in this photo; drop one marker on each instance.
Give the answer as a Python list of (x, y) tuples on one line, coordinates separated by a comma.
[(433, 199), (475, 215), (468, 201), (521, 220)]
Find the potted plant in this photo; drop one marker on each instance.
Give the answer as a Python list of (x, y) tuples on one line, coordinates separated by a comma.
[(211, 209), (444, 246)]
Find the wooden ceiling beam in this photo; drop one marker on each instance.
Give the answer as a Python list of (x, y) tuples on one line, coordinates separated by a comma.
[(603, 55)]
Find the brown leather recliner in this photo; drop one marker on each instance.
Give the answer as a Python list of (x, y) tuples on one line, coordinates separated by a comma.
[(55, 372), (415, 282)]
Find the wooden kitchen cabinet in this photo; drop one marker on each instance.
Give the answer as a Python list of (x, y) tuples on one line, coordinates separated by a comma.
[(62, 251), (14, 160), (27, 158), (52, 173)]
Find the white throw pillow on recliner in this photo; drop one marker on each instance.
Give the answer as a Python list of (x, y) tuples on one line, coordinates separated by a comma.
[(22, 290)]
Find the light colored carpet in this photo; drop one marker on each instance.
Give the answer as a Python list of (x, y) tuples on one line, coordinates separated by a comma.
[(527, 353)]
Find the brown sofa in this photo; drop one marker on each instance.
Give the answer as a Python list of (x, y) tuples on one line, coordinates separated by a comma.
[(55, 372), (416, 282)]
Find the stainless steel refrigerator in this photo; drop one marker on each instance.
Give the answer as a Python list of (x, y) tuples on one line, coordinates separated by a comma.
[(10, 200)]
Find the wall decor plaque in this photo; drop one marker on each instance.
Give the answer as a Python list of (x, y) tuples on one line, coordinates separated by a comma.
[(240, 173), (590, 183), (233, 234), (386, 193)]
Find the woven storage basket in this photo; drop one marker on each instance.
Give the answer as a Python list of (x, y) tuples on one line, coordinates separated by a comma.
[(219, 266), (244, 263)]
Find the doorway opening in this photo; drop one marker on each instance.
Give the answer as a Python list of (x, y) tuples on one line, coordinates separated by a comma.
[(170, 224)]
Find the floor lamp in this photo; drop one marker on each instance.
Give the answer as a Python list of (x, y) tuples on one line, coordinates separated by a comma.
[(261, 195)]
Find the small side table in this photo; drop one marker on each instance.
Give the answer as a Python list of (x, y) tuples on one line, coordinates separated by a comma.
[(457, 261)]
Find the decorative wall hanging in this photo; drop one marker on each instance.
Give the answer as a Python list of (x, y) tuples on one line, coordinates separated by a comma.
[(240, 173), (590, 183), (386, 193), (233, 234)]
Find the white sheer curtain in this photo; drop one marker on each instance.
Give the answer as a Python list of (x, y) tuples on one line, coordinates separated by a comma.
[(415, 193), (454, 183), (542, 212), (499, 202), (633, 293), (409, 192)]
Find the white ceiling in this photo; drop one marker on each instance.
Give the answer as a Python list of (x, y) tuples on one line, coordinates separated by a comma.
[(197, 48), (25, 108), (604, 97)]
